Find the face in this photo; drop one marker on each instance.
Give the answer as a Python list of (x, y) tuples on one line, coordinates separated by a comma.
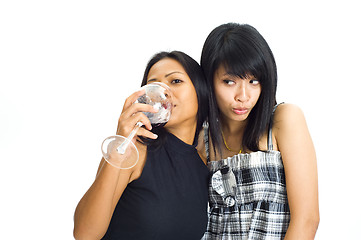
[(235, 96), (185, 104)]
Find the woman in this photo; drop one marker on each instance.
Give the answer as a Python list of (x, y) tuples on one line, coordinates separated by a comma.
[(264, 182), (165, 195)]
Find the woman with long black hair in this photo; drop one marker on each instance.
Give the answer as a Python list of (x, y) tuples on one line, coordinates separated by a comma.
[(260, 153), (164, 196)]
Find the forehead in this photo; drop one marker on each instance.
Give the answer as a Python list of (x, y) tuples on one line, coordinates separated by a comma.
[(223, 70), (165, 66)]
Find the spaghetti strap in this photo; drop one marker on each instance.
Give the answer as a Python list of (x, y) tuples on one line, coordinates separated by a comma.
[(206, 139), (234, 196), (269, 140)]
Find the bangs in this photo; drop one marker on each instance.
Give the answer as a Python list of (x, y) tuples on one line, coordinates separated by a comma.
[(242, 62), (242, 51)]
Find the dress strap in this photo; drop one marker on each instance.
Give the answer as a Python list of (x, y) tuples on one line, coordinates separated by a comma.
[(269, 140), (206, 139)]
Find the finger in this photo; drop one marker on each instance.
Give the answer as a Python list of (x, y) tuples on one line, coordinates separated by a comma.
[(132, 98), (141, 117), (126, 125), (147, 134), (138, 107), (142, 107)]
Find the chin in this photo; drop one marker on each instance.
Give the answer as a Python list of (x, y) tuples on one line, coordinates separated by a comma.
[(240, 118)]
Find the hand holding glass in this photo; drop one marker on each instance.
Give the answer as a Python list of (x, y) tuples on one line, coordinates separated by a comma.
[(120, 151)]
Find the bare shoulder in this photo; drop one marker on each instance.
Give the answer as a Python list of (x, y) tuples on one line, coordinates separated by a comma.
[(201, 147), (299, 161), (290, 127), (288, 115), (201, 144), (287, 110)]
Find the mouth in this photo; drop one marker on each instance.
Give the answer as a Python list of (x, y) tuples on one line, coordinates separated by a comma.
[(240, 111), (168, 105)]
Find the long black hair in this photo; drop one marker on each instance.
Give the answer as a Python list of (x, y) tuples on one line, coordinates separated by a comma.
[(196, 75), (242, 50)]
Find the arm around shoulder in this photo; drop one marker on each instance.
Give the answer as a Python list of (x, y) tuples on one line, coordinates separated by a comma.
[(300, 164), (201, 147)]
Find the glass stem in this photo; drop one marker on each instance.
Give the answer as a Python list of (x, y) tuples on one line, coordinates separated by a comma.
[(121, 149)]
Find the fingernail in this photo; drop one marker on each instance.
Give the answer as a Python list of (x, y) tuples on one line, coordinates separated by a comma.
[(155, 136)]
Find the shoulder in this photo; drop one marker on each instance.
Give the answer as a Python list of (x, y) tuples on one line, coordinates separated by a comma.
[(201, 146), (287, 115), (289, 125)]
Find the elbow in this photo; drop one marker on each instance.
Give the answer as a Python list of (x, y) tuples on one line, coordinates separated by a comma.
[(314, 222), (78, 234), (305, 226), (81, 233), (311, 224), (84, 228)]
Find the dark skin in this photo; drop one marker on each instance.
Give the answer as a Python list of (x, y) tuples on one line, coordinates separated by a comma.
[(95, 209)]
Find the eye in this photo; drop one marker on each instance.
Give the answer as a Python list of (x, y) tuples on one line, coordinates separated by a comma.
[(150, 81), (229, 82), (175, 81), (254, 82)]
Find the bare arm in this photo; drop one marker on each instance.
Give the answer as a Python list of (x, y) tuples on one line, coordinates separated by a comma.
[(299, 159), (94, 211)]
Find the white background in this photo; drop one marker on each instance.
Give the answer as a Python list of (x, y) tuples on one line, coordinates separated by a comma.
[(67, 66)]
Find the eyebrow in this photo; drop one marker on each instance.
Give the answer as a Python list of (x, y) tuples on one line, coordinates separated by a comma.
[(167, 75), (248, 76)]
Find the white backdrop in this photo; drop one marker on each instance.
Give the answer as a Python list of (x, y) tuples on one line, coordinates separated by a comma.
[(66, 68)]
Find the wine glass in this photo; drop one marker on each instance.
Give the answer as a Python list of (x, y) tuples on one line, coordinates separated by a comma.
[(120, 151)]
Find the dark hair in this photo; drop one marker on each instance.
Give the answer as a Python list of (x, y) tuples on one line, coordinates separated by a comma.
[(243, 51), (195, 73)]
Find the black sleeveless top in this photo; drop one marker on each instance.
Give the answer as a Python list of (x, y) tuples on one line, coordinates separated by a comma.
[(168, 201)]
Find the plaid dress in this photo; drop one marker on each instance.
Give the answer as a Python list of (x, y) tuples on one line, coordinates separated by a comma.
[(247, 196)]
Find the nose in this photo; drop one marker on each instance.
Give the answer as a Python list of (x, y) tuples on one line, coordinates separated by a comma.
[(164, 84), (241, 93), (167, 90)]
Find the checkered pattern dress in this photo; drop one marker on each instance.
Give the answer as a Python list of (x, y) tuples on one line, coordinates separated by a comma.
[(247, 196)]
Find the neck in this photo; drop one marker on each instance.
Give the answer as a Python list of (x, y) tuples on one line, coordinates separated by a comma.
[(184, 133), (232, 132), (231, 128)]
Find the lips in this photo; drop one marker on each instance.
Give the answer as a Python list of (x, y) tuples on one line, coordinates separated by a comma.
[(240, 111)]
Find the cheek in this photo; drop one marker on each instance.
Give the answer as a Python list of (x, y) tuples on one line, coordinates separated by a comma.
[(256, 95), (222, 96), (193, 102), (188, 99)]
